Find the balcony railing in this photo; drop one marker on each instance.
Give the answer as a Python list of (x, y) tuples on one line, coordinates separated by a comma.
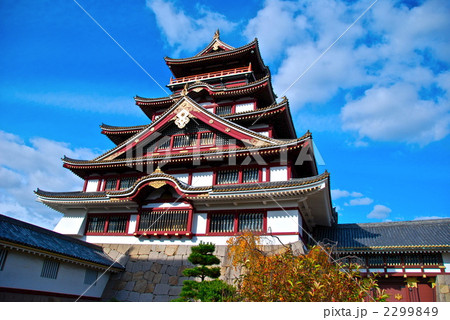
[(214, 74)]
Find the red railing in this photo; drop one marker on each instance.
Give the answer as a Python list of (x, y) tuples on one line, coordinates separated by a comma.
[(212, 74)]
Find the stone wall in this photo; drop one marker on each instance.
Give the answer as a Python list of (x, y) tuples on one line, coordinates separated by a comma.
[(443, 288), (154, 272)]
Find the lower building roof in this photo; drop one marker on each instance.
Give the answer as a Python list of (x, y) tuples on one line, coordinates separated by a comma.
[(404, 236), (16, 233)]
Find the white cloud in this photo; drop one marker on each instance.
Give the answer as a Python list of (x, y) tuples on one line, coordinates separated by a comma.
[(360, 202), (380, 212), (26, 167), (184, 32), (429, 218), (400, 53), (273, 37), (397, 114), (337, 193)]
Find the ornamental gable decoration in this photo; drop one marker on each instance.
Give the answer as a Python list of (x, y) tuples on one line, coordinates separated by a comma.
[(181, 114)]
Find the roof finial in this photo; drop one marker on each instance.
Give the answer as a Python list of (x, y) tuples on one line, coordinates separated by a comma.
[(217, 35)]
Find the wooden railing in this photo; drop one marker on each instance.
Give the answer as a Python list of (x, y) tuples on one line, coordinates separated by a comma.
[(211, 74)]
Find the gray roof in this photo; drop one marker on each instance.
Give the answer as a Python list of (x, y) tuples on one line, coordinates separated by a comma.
[(21, 233), (420, 235)]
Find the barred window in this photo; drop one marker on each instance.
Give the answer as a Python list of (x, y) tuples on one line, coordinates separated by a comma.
[(432, 259), (164, 143), (188, 140), (126, 183), (96, 224), (223, 140), (50, 269), (393, 260), (221, 110), (90, 277), (3, 254), (411, 260), (250, 175), (206, 138), (250, 222), (164, 221), (227, 176), (117, 224), (221, 222), (111, 184), (375, 260)]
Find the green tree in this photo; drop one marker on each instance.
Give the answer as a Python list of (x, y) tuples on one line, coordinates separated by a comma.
[(213, 290)]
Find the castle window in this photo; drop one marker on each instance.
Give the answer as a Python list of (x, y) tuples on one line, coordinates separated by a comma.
[(3, 254), (393, 260), (251, 222), (221, 110), (206, 138), (164, 221), (110, 184), (117, 224), (50, 269), (432, 259), (227, 176), (96, 224), (187, 140), (114, 224), (126, 183), (164, 143), (375, 260), (220, 223), (250, 175), (90, 277), (411, 260)]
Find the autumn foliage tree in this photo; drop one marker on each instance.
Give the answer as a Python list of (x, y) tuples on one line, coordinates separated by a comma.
[(286, 277)]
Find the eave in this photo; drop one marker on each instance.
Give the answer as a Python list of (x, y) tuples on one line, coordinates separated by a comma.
[(180, 158), (250, 50), (120, 134), (211, 119)]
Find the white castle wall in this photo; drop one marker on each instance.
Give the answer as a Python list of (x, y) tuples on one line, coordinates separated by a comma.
[(23, 271)]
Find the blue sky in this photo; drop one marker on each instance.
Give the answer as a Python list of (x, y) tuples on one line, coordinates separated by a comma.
[(377, 102)]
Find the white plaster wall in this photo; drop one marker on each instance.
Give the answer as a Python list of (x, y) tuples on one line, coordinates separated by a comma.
[(283, 221), (199, 223), (183, 177), (278, 173), (166, 205), (132, 224), (202, 179), (217, 240), (446, 261), (72, 223), (92, 185), (264, 174), (242, 107), (23, 271)]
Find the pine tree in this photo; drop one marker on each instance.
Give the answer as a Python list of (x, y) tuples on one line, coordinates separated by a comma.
[(212, 290)]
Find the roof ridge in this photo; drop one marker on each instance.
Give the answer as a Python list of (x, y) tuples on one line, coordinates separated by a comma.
[(391, 223)]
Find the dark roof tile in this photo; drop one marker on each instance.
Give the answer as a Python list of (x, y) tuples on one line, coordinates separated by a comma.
[(28, 235), (405, 235)]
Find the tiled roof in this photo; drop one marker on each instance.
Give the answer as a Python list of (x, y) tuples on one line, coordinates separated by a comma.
[(420, 235), (214, 90), (235, 51), (210, 192), (115, 129), (16, 232)]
